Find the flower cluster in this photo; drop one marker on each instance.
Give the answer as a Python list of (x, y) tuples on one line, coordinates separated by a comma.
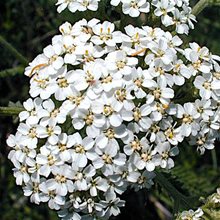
[(210, 210), (172, 12), (194, 215), (106, 111)]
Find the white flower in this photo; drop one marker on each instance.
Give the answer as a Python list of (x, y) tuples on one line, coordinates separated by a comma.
[(112, 203), (204, 108), (144, 181), (194, 215), (159, 92), (63, 4), (139, 79), (21, 150), (135, 7), (91, 207), (64, 84), (108, 137), (146, 157), (53, 115), (82, 177), (62, 181), (140, 116), (166, 152), (53, 60), (163, 9), (34, 111), (104, 33), (88, 52), (49, 130), (173, 135), (115, 2), (206, 85), (90, 4), (47, 160), (188, 114), (199, 57), (30, 133), (21, 173), (64, 146), (82, 150), (120, 62), (54, 201), (203, 142), (110, 114), (92, 122), (132, 39), (32, 190), (42, 85), (108, 157), (160, 52), (97, 184)]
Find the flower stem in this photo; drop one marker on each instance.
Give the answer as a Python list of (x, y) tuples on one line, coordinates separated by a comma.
[(214, 159), (202, 4), (14, 51), (11, 71), (10, 111)]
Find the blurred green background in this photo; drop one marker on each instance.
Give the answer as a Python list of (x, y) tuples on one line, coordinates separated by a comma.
[(29, 26)]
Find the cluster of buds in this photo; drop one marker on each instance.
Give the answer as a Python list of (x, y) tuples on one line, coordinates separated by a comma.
[(106, 110)]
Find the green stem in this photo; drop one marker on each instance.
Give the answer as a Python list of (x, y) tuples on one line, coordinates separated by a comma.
[(10, 111), (11, 71), (8, 46), (202, 4), (214, 159)]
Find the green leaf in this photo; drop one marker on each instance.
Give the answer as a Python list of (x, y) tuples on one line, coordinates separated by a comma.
[(181, 201), (10, 111)]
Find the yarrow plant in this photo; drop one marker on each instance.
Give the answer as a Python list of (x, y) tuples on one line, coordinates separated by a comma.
[(106, 108)]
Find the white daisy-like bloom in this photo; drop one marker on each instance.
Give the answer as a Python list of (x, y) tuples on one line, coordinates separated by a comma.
[(62, 4), (135, 7), (104, 33), (120, 62), (203, 141), (207, 85), (163, 8), (188, 114), (33, 111), (54, 200), (107, 109)]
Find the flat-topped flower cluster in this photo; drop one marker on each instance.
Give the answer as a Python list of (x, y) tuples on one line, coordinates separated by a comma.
[(175, 13), (107, 108)]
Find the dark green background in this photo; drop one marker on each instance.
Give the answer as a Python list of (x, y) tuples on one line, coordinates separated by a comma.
[(29, 26)]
